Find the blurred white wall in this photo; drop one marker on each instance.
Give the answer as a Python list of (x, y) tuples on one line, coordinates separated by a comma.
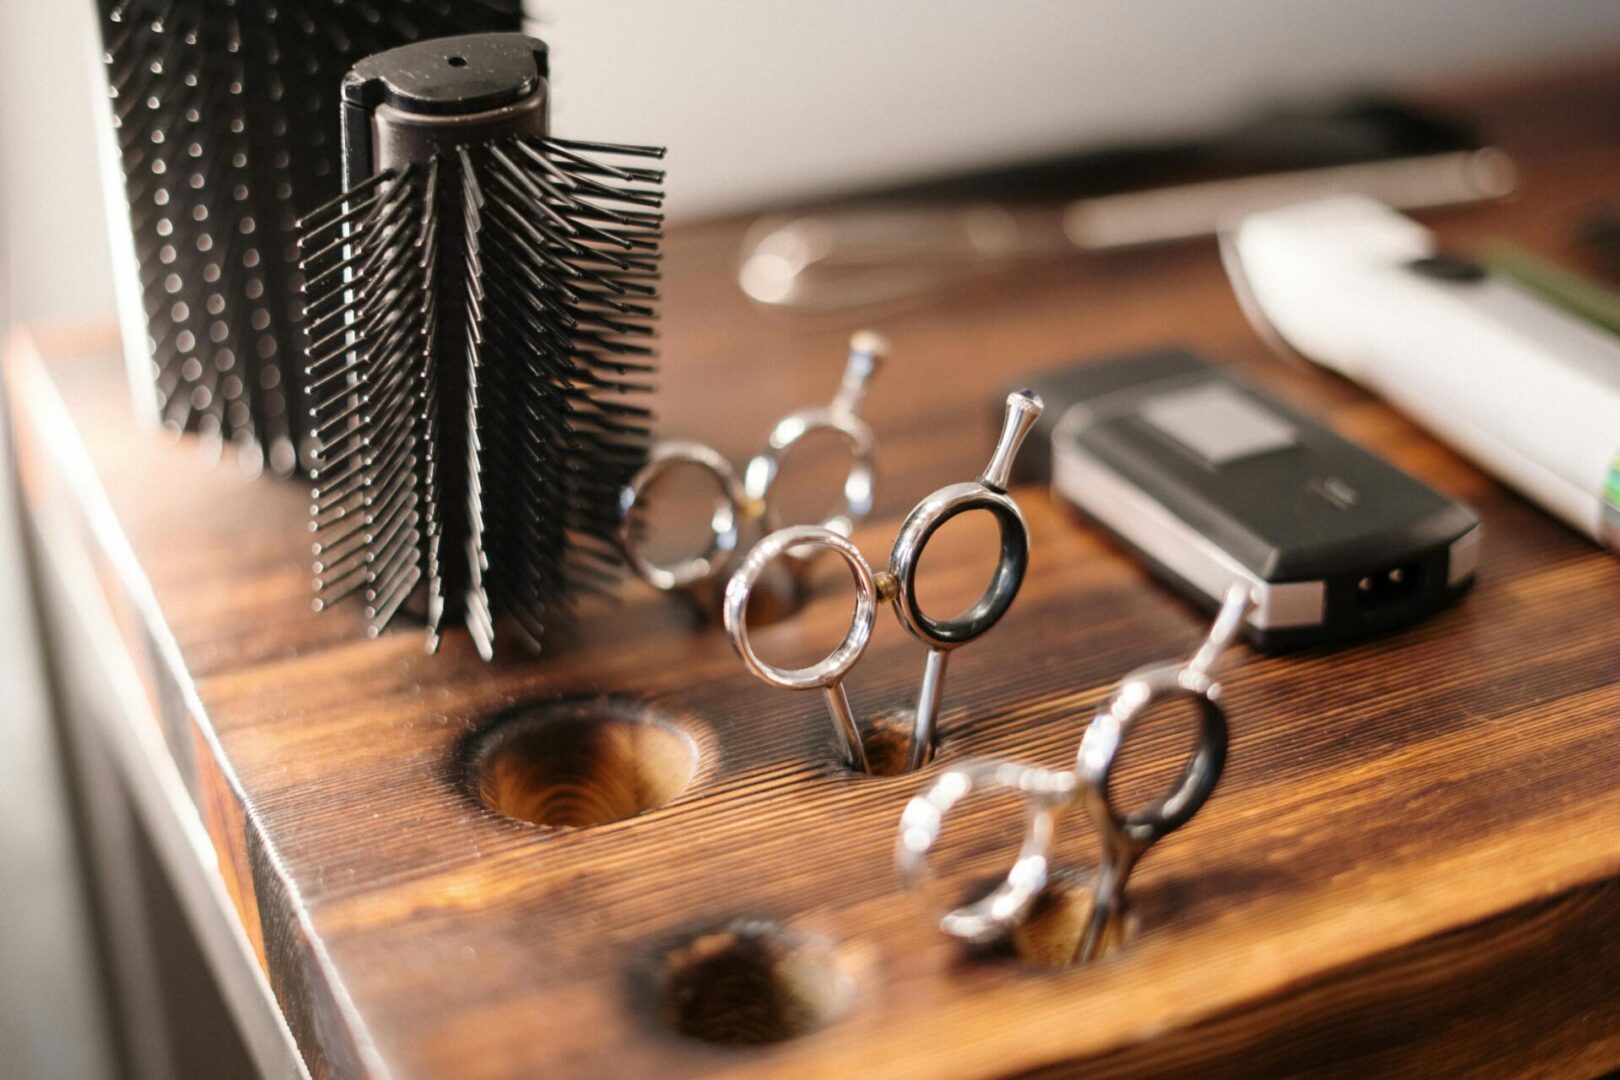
[(763, 101), (759, 102), (53, 264), (56, 252)]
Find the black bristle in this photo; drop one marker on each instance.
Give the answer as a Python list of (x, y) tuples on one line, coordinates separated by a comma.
[(487, 329), (226, 122)]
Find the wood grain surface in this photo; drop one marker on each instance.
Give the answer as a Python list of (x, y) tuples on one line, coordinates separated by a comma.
[(1412, 865)]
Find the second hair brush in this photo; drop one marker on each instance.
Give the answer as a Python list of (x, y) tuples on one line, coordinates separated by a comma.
[(481, 303)]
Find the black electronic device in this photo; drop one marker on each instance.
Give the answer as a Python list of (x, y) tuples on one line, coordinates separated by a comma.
[(1212, 482)]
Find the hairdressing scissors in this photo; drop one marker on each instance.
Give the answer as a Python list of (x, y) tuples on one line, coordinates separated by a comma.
[(746, 501), (1050, 794), (897, 584)]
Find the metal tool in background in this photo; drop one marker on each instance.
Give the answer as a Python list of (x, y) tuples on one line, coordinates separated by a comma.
[(746, 503), (1049, 795), (898, 585), (481, 302), (907, 244), (224, 128)]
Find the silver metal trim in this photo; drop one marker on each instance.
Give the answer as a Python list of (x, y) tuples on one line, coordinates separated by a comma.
[(1463, 557), (1080, 478), (1110, 222)]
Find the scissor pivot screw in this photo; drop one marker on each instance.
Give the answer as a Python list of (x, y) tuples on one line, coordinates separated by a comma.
[(888, 586)]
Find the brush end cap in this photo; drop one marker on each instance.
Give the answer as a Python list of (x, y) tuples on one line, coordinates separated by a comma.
[(450, 76)]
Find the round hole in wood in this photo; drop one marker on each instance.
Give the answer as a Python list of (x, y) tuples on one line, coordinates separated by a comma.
[(1056, 929), (577, 762), (887, 739), (753, 982)]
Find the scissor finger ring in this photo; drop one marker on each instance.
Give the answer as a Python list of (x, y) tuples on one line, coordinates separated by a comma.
[(1047, 795), (829, 670), (828, 673), (842, 418), (1125, 837), (747, 501), (1139, 693), (1135, 696), (988, 493), (898, 584), (724, 524)]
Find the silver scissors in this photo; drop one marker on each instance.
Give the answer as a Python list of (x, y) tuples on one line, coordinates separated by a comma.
[(746, 502), (897, 584), (1050, 794)]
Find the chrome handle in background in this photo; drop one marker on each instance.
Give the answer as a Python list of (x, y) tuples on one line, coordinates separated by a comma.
[(889, 256), (878, 255)]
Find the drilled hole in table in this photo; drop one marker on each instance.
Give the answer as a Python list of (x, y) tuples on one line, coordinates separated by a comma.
[(580, 762), (1056, 928), (753, 982), (887, 739)]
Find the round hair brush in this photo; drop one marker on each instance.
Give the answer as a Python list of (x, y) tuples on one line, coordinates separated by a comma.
[(480, 302), (225, 125)]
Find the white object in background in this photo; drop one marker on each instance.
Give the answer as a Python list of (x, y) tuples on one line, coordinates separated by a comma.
[(766, 103), (1526, 389)]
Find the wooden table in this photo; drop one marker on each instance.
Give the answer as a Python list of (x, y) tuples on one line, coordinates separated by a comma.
[(1412, 865)]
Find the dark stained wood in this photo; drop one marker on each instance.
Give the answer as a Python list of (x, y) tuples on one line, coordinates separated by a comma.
[(1412, 865)]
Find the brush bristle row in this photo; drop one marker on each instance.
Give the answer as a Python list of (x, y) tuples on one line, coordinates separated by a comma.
[(496, 311)]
